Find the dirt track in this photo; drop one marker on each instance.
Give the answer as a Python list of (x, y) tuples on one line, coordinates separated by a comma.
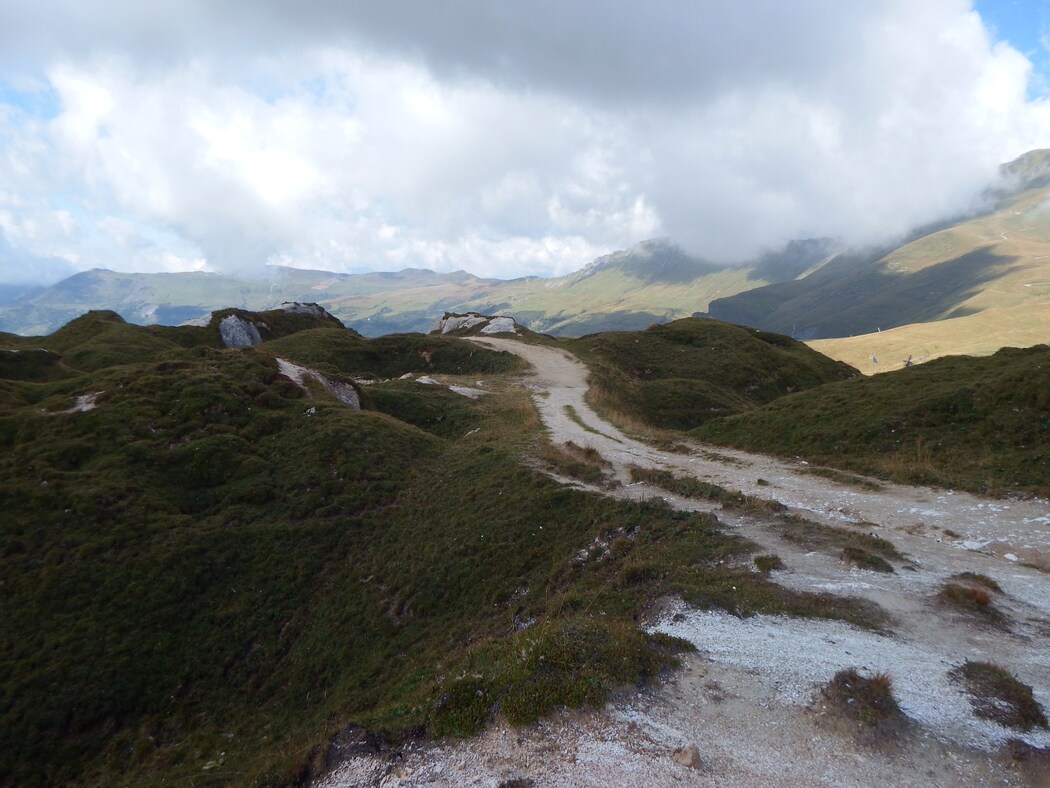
[(748, 701)]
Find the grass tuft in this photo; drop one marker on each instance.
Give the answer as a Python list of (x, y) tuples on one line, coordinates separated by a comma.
[(996, 695), (767, 563), (868, 701), (858, 557)]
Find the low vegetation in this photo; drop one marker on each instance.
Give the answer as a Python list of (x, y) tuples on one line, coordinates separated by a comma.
[(212, 570), (978, 424), (995, 694), (689, 487), (767, 562), (858, 557), (866, 700), (855, 545), (973, 599), (683, 374), (577, 462)]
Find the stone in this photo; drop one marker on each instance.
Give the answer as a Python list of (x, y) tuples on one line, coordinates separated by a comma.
[(501, 325), (237, 332), (688, 757)]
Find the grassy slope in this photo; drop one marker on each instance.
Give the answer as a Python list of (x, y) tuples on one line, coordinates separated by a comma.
[(980, 334), (210, 572), (685, 373), (980, 424)]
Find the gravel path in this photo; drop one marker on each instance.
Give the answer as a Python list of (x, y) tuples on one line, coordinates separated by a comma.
[(748, 701)]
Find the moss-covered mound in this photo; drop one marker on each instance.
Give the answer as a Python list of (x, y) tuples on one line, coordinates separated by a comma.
[(683, 374)]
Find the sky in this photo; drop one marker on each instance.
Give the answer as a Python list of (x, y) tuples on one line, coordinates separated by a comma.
[(502, 137)]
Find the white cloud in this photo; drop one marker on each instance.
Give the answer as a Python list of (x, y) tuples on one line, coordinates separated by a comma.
[(500, 137)]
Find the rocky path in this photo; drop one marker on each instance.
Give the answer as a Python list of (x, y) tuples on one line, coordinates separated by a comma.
[(748, 700)]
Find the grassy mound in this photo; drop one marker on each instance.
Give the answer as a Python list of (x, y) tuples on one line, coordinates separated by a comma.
[(683, 374), (980, 424)]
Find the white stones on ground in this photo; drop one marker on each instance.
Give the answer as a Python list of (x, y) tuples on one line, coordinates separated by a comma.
[(343, 392), (426, 380), (466, 391), (82, 403)]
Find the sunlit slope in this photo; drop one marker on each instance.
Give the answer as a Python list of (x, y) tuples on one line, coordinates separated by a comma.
[(974, 335), (998, 259)]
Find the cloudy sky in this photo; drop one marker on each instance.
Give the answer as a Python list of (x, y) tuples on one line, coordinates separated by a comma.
[(504, 137)]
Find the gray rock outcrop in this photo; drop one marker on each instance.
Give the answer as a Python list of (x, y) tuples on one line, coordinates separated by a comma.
[(490, 324), (237, 332), (344, 392)]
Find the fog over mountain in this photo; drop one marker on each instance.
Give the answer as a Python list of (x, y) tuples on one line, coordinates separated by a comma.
[(496, 137)]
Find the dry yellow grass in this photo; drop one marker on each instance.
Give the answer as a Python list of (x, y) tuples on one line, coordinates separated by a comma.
[(974, 335)]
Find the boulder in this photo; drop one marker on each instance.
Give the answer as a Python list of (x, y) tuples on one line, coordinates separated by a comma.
[(237, 332)]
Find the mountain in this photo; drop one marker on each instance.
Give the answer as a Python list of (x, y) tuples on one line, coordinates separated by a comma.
[(654, 281), (965, 285), (996, 264)]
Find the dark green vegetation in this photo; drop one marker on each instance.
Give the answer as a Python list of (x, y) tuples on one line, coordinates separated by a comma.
[(767, 562), (868, 701), (212, 570), (862, 558), (689, 372), (577, 462), (858, 547), (979, 424), (996, 695), (688, 487)]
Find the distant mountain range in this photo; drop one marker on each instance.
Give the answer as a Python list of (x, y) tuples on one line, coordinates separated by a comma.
[(654, 281), (970, 284)]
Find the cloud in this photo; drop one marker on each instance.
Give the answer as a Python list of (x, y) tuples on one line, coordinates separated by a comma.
[(500, 137)]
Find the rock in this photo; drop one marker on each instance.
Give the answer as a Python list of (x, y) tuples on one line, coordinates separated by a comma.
[(688, 757), (455, 322), (489, 323), (343, 392), (305, 309), (501, 325), (426, 380), (466, 391), (237, 332)]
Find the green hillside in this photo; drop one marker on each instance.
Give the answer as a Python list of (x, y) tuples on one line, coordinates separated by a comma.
[(207, 571), (688, 372), (979, 424)]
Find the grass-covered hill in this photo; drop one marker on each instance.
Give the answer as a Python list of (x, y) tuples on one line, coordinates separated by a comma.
[(212, 572), (980, 424), (682, 374)]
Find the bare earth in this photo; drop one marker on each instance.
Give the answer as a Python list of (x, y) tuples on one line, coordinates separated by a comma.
[(749, 700)]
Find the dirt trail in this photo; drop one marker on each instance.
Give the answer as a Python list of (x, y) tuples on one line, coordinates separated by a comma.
[(748, 701)]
